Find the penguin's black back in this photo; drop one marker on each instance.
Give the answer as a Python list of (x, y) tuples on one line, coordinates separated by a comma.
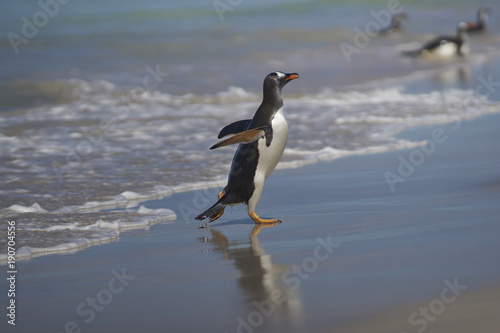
[(240, 184), (437, 42)]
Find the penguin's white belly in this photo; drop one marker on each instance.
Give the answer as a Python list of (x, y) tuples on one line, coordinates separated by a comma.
[(270, 156), (443, 51)]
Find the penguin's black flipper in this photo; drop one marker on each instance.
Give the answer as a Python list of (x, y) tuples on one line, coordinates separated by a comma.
[(234, 128), (251, 135)]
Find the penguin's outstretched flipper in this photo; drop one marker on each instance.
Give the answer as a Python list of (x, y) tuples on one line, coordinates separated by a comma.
[(234, 128), (248, 136)]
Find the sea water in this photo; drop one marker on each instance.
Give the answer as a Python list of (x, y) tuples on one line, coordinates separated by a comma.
[(106, 104)]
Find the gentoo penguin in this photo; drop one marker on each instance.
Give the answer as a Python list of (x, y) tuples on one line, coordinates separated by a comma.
[(262, 141), (482, 18), (444, 46), (395, 25)]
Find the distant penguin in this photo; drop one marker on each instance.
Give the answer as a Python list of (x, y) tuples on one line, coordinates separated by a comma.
[(262, 141), (443, 47), (395, 25), (482, 19)]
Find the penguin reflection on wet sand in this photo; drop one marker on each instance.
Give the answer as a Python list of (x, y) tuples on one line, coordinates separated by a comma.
[(259, 278), (444, 46), (262, 141)]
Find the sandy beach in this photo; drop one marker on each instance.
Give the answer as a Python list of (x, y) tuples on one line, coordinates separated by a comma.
[(350, 256)]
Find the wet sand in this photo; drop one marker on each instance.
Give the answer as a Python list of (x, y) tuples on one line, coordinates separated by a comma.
[(350, 256), (472, 312)]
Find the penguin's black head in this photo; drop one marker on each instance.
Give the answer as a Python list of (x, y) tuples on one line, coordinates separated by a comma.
[(277, 80)]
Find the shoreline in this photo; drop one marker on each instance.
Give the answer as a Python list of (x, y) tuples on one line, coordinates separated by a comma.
[(349, 250), (423, 147), (44, 208)]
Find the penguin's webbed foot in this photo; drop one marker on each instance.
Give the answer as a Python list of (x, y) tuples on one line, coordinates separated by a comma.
[(258, 220)]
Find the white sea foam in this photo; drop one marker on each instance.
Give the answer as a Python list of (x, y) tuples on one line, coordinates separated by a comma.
[(35, 208), (158, 211), (100, 232), (29, 252)]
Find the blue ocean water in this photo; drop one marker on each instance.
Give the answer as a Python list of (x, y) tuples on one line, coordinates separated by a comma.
[(109, 103)]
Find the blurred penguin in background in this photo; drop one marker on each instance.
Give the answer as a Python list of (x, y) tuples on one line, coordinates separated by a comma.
[(444, 47), (482, 19)]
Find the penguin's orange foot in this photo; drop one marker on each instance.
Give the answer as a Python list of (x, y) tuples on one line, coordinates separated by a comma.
[(258, 220)]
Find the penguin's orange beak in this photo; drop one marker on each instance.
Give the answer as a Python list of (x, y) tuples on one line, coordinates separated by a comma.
[(291, 76)]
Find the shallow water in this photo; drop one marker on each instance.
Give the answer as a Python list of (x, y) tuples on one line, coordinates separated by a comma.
[(108, 105)]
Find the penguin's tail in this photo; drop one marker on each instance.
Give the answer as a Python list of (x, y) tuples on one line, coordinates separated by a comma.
[(213, 212)]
